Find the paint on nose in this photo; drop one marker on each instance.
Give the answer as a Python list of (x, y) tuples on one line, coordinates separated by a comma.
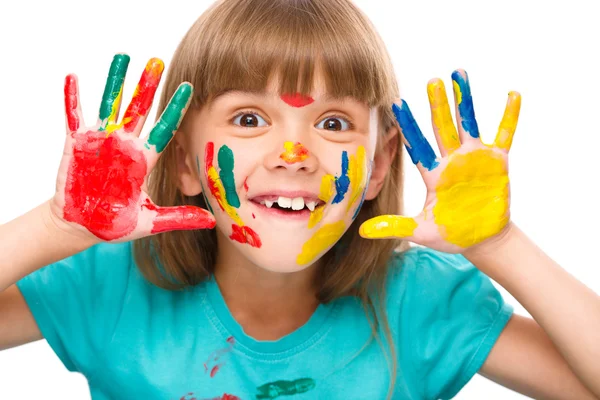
[(296, 99), (294, 152)]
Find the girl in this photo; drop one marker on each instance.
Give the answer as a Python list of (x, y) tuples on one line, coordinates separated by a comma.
[(290, 140)]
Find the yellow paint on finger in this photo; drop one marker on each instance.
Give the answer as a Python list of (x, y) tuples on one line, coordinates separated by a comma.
[(357, 174), (441, 115), (508, 124), (322, 240), (472, 197), (457, 92), (384, 226), (325, 194)]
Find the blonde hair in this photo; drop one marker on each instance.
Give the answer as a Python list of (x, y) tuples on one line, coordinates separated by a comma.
[(240, 45)]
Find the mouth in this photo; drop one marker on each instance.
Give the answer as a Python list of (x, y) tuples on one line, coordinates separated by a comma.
[(293, 205)]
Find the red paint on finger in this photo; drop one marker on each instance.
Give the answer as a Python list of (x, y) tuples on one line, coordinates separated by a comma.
[(179, 218), (71, 103), (143, 95), (244, 234), (103, 185), (296, 99)]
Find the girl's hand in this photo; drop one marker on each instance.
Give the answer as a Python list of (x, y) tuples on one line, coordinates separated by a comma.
[(468, 193), (101, 184)]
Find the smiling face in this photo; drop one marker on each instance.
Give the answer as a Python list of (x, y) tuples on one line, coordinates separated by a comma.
[(284, 175)]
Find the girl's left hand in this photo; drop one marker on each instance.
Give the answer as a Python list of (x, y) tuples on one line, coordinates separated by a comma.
[(468, 192)]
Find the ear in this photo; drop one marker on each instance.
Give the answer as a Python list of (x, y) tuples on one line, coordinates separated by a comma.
[(382, 162), (187, 168)]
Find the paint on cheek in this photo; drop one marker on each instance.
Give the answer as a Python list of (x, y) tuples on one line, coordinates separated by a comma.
[(343, 181), (473, 198), (246, 185), (364, 193), (294, 152), (240, 232), (202, 187), (357, 175), (322, 240), (272, 390), (226, 165), (104, 185), (296, 99), (325, 194)]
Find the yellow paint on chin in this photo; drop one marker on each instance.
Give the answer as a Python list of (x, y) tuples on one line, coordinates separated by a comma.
[(213, 175), (325, 193), (356, 173), (323, 239), (441, 115), (472, 198), (385, 226)]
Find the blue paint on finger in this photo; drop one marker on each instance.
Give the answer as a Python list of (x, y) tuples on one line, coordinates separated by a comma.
[(465, 103), (418, 147)]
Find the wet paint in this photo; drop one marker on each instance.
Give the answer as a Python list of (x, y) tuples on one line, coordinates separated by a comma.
[(357, 175), (325, 194), (190, 396), (322, 239), (343, 181), (226, 164), (284, 388), (104, 184), (441, 116), (71, 103), (418, 147), (240, 232), (508, 125), (178, 218), (384, 226), (479, 209), (246, 184), (169, 120), (364, 193), (297, 99), (464, 102), (113, 90), (143, 95), (294, 152), (202, 186), (214, 361)]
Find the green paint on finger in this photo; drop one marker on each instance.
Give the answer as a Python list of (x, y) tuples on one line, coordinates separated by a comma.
[(284, 388), (113, 89), (226, 163), (171, 117)]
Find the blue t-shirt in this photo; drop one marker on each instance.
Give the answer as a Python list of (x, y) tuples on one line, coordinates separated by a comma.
[(133, 340)]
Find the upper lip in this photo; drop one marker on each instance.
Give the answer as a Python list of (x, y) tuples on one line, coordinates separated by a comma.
[(273, 195)]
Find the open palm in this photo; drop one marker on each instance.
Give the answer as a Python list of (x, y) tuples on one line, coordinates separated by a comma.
[(468, 191), (101, 184)]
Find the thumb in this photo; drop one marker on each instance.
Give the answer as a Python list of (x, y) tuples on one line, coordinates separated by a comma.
[(180, 218), (385, 226)]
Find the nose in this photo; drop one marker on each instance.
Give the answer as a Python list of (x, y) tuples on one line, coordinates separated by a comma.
[(292, 156)]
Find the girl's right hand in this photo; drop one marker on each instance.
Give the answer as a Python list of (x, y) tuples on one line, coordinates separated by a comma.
[(101, 185)]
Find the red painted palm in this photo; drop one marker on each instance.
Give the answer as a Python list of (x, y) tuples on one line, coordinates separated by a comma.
[(101, 184)]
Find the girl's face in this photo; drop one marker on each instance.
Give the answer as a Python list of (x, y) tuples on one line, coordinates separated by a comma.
[(284, 176)]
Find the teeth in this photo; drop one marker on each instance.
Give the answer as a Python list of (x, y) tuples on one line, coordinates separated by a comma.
[(298, 203), (284, 202), (268, 203), (311, 205)]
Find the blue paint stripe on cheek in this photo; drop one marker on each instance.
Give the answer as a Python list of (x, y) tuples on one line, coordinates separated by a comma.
[(465, 107), (343, 182), (418, 147)]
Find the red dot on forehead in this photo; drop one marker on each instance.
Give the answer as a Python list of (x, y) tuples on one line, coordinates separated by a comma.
[(297, 100)]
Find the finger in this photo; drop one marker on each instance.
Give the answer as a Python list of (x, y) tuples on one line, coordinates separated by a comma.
[(113, 90), (418, 147), (387, 226), (180, 218), (441, 117), (508, 125), (137, 111), (465, 113), (169, 121), (73, 112)]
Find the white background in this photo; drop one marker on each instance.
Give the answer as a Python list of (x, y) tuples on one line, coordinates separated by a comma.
[(548, 51)]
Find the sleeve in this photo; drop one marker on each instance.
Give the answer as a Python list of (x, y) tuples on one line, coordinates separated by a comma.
[(76, 302), (452, 316)]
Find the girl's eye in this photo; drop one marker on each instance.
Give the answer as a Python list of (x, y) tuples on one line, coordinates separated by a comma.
[(248, 119), (333, 123)]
